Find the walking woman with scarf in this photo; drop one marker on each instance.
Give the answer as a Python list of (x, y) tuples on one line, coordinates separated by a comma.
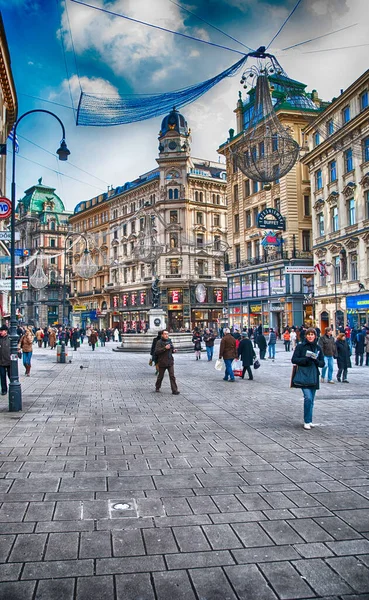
[(308, 358)]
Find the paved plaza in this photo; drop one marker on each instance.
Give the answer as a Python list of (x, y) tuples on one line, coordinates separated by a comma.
[(111, 491)]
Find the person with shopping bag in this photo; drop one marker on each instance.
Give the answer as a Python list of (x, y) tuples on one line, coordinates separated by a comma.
[(307, 359), (228, 352), (247, 354)]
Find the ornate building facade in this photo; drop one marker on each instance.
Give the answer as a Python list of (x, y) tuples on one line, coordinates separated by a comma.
[(42, 223), (8, 116), (338, 164), (261, 291), (169, 223)]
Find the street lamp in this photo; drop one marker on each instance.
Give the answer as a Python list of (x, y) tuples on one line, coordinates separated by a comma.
[(15, 392), (86, 267)]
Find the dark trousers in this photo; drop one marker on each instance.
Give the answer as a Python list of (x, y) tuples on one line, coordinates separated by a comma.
[(287, 345), (359, 359), (92, 344), (3, 372), (367, 360), (248, 369), (173, 383), (262, 354), (342, 372)]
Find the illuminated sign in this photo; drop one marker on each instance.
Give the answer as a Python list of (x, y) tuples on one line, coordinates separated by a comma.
[(133, 299), (175, 296), (218, 296), (125, 299), (142, 297), (115, 301), (255, 308)]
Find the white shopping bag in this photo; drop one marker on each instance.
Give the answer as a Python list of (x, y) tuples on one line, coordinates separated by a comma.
[(237, 365), (219, 364)]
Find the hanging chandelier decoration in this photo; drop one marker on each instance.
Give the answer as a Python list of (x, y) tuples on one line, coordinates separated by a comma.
[(266, 151), (39, 278), (86, 267)]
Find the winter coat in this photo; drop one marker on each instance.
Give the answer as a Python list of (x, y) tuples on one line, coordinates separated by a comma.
[(343, 354), (75, 336), (246, 352), (52, 338), (209, 339), (93, 337), (360, 339), (367, 343), (5, 351), (300, 359), (228, 347), (164, 356), (272, 338), (261, 341), (328, 345), (153, 346), (196, 340), (286, 336), (26, 342)]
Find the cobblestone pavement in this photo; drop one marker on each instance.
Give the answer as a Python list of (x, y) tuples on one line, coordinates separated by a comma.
[(111, 491)]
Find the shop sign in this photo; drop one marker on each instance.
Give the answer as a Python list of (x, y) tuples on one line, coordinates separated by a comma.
[(278, 222), (133, 299), (255, 308), (278, 290), (297, 270), (5, 285), (133, 324), (276, 308), (142, 298), (125, 299), (115, 301), (175, 306), (358, 302), (142, 325), (271, 239), (125, 326), (79, 307), (175, 296), (218, 296)]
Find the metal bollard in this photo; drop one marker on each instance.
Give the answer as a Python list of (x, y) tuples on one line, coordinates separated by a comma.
[(62, 353)]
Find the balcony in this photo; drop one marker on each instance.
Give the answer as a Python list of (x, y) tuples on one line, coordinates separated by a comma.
[(251, 262)]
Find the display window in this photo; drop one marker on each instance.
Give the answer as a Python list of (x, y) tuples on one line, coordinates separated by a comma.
[(234, 288)]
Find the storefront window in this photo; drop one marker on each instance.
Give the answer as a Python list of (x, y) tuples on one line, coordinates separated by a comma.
[(234, 289), (262, 284), (277, 282), (246, 286), (308, 284)]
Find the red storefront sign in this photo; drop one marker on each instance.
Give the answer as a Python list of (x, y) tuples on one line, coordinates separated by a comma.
[(142, 325), (142, 298), (133, 299), (133, 324), (125, 299), (218, 296), (175, 296), (115, 301), (125, 326)]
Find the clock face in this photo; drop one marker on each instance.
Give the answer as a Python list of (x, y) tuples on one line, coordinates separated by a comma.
[(172, 145)]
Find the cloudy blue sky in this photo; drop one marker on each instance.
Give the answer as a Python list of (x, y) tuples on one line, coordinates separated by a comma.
[(113, 55)]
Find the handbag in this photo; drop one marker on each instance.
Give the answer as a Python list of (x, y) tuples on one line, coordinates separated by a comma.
[(237, 367), (305, 376), (19, 353), (257, 364), (219, 364)]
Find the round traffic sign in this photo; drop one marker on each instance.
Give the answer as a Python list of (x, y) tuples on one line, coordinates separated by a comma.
[(5, 208)]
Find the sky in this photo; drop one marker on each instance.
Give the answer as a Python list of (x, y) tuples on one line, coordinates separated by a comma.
[(59, 47)]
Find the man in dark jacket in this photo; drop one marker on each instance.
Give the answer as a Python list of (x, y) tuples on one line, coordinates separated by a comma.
[(209, 338), (4, 358), (228, 351), (272, 340), (329, 350), (359, 348), (164, 354), (262, 344), (247, 354)]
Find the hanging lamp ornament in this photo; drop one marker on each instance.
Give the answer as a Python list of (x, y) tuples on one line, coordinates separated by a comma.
[(86, 267), (266, 151), (39, 278)]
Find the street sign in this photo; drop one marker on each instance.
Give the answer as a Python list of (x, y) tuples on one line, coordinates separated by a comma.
[(5, 208), (5, 285), (6, 236), (21, 252), (5, 260)]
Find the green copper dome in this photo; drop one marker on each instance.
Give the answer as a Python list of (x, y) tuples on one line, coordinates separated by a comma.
[(41, 198)]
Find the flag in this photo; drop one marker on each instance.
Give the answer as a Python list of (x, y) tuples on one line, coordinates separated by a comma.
[(11, 138)]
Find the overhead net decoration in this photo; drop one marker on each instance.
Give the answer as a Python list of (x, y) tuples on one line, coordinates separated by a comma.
[(102, 111)]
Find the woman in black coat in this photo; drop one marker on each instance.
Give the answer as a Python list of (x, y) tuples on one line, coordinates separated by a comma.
[(343, 357), (307, 376), (247, 355)]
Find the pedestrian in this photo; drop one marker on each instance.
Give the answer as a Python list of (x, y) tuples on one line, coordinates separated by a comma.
[(287, 339), (209, 338), (196, 340), (272, 340), (102, 337), (75, 339), (308, 357), (359, 348), (343, 357), (52, 338), (293, 338), (228, 351), (4, 359), (93, 339), (25, 344), (46, 337), (366, 344), (116, 335), (164, 351), (262, 344), (39, 337), (329, 350), (154, 358), (247, 354)]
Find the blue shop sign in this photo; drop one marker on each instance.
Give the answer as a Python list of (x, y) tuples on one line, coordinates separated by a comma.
[(89, 314), (358, 302)]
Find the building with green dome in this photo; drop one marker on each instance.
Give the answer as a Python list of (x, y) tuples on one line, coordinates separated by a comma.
[(42, 223)]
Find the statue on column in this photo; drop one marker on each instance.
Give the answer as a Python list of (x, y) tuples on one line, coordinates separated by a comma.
[(155, 293)]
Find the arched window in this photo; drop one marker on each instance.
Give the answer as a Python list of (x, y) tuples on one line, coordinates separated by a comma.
[(170, 194), (52, 225), (201, 197), (176, 194), (196, 196)]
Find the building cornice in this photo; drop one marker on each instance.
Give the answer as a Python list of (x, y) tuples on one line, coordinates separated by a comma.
[(6, 80)]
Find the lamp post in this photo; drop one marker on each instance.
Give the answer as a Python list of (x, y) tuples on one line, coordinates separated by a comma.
[(15, 392), (86, 268)]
